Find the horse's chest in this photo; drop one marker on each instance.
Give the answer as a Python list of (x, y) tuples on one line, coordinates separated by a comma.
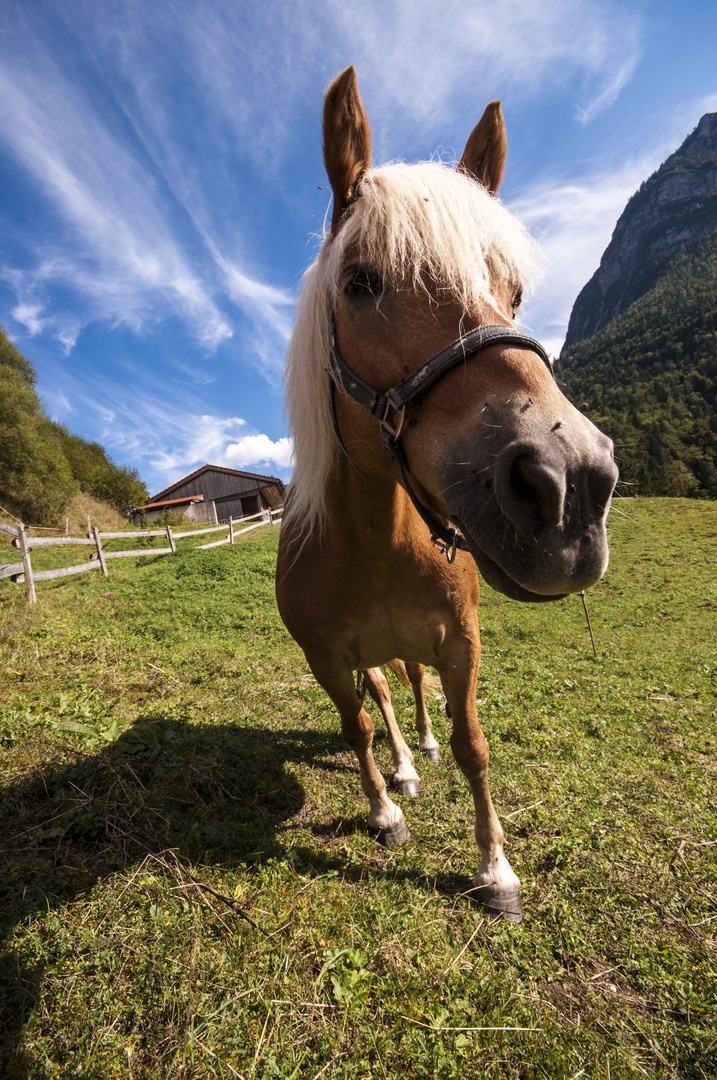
[(391, 623), (370, 610)]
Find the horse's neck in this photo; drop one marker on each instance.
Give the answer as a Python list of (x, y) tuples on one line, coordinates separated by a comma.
[(369, 509)]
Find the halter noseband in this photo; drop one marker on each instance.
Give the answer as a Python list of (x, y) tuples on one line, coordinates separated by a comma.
[(390, 407)]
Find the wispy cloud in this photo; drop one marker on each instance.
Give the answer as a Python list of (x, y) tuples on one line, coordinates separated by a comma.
[(573, 222), (421, 64), (127, 267), (120, 169), (164, 436), (122, 254), (612, 83), (29, 314), (157, 142)]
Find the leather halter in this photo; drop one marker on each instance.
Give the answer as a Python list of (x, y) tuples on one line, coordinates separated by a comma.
[(390, 407)]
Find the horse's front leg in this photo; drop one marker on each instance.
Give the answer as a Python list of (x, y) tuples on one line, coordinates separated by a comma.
[(496, 886), (405, 779), (385, 819)]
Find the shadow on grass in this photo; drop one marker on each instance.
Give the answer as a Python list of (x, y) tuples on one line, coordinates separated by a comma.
[(184, 793), (215, 795), (321, 862)]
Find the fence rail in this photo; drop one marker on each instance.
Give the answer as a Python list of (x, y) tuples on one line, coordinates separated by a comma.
[(23, 571)]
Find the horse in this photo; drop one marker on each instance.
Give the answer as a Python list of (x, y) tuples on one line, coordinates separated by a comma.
[(430, 439)]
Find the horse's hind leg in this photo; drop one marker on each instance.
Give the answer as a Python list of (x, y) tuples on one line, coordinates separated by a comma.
[(427, 743), (405, 778), (385, 819)]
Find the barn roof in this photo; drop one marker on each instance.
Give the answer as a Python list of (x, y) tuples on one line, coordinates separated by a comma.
[(262, 480), (170, 502), (274, 495)]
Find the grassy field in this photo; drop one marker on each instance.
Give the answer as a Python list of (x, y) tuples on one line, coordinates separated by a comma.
[(187, 888)]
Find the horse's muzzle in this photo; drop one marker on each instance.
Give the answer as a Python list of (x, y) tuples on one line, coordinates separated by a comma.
[(533, 514)]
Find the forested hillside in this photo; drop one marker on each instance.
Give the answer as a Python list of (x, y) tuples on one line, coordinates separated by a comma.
[(42, 464), (649, 379)]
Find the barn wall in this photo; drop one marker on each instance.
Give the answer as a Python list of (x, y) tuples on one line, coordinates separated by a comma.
[(240, 505), (202, 512), (214, 486)]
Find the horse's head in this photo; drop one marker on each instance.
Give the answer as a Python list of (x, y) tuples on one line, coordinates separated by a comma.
[(418, 258)]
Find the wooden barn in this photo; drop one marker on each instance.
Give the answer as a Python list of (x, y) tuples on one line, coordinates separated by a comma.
[(214, 493)]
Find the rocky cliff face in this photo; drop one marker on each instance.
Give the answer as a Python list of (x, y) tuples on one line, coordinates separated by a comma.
[(675, 206)]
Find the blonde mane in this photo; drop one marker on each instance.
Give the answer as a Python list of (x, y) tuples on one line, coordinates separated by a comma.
[(411, 222)]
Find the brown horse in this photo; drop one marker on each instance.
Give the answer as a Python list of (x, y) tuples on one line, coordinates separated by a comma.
[(429, 436)]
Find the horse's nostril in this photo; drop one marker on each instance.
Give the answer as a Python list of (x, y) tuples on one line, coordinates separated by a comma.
[(601, 483), (520, 484), (530, 490)]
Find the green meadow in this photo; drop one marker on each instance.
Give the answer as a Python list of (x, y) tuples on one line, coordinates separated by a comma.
[(187, 888)]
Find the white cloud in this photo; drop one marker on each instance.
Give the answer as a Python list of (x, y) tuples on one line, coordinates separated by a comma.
[(28, 314), (259, 451), (270, 310), (68, 335)]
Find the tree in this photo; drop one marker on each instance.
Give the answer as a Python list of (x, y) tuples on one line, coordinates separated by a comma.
[(42, 464), (36, 482)]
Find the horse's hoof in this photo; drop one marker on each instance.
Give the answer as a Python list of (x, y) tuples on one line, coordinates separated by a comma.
[(393, 835), (501, 905), (412, 788), (433, 753)]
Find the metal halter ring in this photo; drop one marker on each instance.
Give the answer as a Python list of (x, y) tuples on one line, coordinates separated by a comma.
[(388, 431)]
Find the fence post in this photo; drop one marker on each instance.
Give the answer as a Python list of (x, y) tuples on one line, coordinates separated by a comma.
[(171, 539), (89, 527), (26, 565), (100, 552), (231, 530), (271, 518)]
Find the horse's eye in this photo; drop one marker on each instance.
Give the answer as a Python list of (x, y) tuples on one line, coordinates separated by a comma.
[(517, 301), (363, 282)]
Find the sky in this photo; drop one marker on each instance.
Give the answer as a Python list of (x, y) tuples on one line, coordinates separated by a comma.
[(162, 188)]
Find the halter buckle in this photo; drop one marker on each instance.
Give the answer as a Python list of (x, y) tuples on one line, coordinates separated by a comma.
[(448, 547), (390, 433)]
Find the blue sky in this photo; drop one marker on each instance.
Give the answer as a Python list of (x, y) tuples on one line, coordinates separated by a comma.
[(162, 188)]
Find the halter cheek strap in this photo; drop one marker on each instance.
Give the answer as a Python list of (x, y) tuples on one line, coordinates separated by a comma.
[(390, 407)]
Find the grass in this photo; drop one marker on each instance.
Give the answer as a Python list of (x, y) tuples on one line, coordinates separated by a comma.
[(79, 509), (188, 889)]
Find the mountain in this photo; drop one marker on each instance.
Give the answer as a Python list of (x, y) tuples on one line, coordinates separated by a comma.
[(649, 379), (640, 356), (675, 206)]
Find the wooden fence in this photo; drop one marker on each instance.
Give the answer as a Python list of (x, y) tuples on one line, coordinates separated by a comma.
[(23, 571)]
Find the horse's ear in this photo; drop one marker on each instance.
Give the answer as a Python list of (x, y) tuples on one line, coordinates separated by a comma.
[(486, 149), (347, 140)]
